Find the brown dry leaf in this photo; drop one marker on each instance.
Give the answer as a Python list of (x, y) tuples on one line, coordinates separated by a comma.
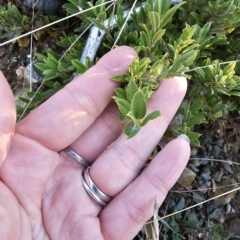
[(23, 42)]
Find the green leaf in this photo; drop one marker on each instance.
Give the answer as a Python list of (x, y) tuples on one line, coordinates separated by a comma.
[(188, 32), (49, 84), (196, 105), (123, 106), (233, 106), (146, 92), (123, 118), (162, 6), (50, 77), (97, 23), (154, 20), (102, 16), (121, 93), (131, 89), (25, 100), (235, 93), (193, 135), (52, 62), (41, 66), (79, 66), (50, 71), (123, 78), (195, 119), (17, 15), (195, 143), (144, 41), (166, 18), (57, 85), (150, 116), (138, 105), (94, 9), (217, 114), (191, 59), (143, 65), (194, 91), (158, 35), (131, 130)]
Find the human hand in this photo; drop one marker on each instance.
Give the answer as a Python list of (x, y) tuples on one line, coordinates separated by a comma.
[(42, 194)]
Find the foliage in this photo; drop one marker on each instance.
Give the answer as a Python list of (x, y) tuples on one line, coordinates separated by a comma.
[(193, 39), (12, 22), (217, 232)]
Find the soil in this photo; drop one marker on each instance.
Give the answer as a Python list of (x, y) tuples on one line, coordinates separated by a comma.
[(11, 58)]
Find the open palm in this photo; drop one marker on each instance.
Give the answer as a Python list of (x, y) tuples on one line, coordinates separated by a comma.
[(41, 192)]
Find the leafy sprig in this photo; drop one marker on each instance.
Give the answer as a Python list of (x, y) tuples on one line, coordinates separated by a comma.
[(171, 41)]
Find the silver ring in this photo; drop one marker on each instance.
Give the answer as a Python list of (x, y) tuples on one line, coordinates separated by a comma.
[(91, 188), (82, 161), (93, 195)]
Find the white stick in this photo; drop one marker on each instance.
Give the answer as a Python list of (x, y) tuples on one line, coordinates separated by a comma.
[(96, 35)]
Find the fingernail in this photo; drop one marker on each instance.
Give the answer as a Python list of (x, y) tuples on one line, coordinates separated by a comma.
[(185, 137)]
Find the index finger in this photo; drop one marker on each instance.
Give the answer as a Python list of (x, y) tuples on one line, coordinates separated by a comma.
[(66, 115)]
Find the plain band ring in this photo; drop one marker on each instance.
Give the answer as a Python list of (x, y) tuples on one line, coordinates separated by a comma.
[(93, 186), (94, 192), (93, 195), (77, 157)]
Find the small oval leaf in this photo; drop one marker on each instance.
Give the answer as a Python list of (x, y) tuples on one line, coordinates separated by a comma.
[(139, 105), (123, 106), (131, 130)]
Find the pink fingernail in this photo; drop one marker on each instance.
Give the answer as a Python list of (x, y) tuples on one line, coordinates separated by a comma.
[(185, 137)]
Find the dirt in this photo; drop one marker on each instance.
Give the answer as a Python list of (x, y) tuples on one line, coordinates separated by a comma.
[(11, 58)]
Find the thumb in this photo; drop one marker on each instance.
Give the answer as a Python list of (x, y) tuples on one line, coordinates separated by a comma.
[(7, 117)]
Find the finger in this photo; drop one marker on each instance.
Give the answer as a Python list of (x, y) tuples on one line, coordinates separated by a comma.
[(121, 162), (65, 116), (128, 212), (7, 117), (106, 129)]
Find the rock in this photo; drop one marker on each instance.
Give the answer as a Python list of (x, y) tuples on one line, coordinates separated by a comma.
[(20, 92), (227, 167), (228, 208), (46, 6), (227, 184), (218, 176), (206, 175), (218, 215), (204, 187), (192, 216), (197, 198), (216, 151), (193, 152), (176, 121), (172, 205), (193, 168), (36, 74), (20, 72), (187, 177), (181, 203), (220, 142)]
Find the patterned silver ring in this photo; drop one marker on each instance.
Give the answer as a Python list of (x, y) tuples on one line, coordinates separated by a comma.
[(77, 157), (91, 188)]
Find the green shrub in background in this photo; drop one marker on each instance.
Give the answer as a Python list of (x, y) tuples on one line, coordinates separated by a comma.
[(196, 39)]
